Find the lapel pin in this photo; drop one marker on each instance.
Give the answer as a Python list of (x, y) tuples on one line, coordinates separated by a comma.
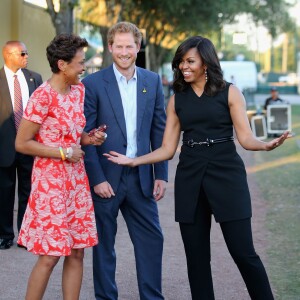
[(144, 90), (31, 79)]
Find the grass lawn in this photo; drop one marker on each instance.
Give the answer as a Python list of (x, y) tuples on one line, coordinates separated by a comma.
[(278, 175)]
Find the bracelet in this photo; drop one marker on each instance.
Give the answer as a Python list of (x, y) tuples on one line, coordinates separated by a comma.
[(62, 153), (69, 152)]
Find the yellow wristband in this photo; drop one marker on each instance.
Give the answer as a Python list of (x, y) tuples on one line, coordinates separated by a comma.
[(62, 153)]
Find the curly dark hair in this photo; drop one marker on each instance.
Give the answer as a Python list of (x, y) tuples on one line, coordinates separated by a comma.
[(209, 57), (64, 46)]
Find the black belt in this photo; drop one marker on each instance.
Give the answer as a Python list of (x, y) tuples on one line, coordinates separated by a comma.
[(209, 142)]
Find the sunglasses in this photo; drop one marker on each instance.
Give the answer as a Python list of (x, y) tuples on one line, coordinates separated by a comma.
[(22, 53)]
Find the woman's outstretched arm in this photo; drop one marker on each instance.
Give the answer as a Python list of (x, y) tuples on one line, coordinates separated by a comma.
[(165, 152)]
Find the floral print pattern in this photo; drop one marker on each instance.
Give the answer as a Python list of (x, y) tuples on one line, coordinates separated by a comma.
[(60, 212)]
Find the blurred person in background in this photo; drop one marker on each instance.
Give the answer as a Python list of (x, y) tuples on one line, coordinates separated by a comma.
[(274, 98)]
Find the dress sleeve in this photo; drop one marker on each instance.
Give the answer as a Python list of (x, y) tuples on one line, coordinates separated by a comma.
[(38, 106)]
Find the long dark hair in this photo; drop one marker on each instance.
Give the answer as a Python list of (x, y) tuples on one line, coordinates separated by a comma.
[(209, 57)]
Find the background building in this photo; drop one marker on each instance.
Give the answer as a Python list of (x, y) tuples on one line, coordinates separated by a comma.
[(30, 24)]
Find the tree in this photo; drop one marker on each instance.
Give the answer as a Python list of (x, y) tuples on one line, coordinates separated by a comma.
[(101, 14), (168, 22), (63, 18)]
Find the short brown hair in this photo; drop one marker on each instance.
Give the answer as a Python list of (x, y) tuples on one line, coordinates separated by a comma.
[(124, 27)]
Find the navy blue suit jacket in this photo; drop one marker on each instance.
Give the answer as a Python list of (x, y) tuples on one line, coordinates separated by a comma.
[(103, 104)]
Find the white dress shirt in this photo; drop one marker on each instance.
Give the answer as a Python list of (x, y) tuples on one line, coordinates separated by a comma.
[(129, 100), (23, 84)]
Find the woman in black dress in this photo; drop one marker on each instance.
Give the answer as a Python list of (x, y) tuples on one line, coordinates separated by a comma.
[(211, 176)]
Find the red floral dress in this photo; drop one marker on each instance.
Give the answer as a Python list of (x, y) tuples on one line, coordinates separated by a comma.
[(60, 212)]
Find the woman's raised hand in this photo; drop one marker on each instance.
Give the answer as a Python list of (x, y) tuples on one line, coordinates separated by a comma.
[(278, 141), (119, 159)]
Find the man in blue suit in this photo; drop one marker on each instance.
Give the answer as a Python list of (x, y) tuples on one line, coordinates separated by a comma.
[(130, 101)]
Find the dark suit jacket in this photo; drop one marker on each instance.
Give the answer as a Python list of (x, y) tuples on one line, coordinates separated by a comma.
[(103, 104), (7, 125), (271, 100)]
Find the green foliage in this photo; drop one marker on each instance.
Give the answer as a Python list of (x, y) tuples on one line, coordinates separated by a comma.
[(168, 22), (230, 50), (273, 14), (89, 53)]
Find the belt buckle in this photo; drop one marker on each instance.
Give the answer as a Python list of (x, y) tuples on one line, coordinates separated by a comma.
[(191, 143), (209, 142)]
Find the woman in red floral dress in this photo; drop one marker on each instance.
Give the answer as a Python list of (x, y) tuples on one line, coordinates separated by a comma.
[(59, 220)]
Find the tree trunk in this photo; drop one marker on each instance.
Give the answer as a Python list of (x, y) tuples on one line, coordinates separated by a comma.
[(63, 19), (106, 56), (157, 56)]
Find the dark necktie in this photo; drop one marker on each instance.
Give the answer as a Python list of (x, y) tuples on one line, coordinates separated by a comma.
[(18, 106)]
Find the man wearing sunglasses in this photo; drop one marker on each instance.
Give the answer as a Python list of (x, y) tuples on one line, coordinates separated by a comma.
[(16, 85)]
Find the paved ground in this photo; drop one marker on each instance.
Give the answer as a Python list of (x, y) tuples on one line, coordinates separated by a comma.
[(16, 263)]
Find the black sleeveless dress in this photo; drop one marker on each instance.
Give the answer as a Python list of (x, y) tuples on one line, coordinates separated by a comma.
[(218, 170)]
